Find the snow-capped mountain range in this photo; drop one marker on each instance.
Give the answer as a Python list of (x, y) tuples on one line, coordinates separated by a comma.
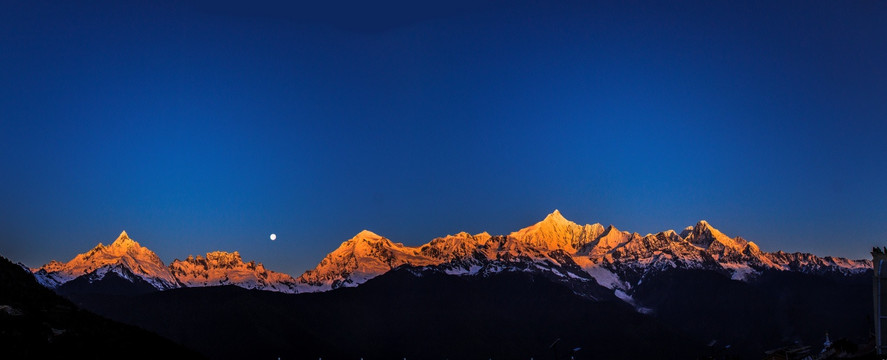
[(126, 257), (123, 252), (222, 268), (554, 247), (614, 259)]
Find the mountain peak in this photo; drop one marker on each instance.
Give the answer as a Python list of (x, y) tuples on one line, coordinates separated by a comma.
[(555, 219), (553, 232), (703, 227), (366, 234), (703, 235), (556, 216), (360, 258), (122, 253), (123, 239)]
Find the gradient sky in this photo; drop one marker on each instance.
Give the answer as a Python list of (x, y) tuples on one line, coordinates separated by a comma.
[(202, 125)]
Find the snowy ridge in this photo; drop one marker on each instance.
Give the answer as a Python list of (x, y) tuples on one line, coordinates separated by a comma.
[(123, 252), (127, 258), (223, 268), (613, 258), (368, 255), (359, 259), (554, 247)]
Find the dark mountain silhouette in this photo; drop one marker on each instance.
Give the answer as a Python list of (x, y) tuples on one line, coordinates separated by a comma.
[(775, 309), (35, 323), (404, 313)]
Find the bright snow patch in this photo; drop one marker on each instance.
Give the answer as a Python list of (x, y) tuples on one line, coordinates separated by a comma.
[(628, 299), (606, 278), (741, 272), (473, 270)]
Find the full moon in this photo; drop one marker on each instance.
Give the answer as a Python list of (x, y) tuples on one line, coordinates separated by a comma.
[(273, 237)]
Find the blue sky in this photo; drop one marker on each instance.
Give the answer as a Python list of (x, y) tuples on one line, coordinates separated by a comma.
[(198, 126)]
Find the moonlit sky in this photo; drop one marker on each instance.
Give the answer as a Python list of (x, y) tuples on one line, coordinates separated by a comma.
[(201, 125)]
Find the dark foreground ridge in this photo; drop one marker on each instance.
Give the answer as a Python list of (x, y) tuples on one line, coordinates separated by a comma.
[(424, 314), (404, 313), (35, 323)]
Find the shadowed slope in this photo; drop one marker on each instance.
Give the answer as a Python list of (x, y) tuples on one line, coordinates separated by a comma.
[(404, 313), (35, 323)]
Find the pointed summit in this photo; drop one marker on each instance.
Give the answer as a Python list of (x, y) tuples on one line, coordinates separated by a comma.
[(703, 227), (556, 217), (122, 253), (123, 239), (553, 232), (703, 235), (609, 239), (366, 234)]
